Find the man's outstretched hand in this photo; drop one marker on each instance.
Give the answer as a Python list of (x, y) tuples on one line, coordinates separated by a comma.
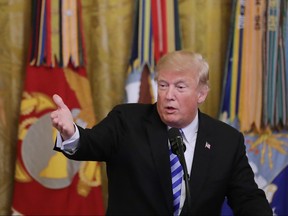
[(62, 118)]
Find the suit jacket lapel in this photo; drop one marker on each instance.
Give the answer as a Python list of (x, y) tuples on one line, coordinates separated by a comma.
[(201, 160), (158, 140)]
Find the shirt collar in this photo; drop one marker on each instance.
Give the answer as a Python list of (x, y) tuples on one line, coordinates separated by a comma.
[(190, 130)]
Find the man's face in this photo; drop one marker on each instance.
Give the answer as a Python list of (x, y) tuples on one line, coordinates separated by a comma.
[(178, 97)]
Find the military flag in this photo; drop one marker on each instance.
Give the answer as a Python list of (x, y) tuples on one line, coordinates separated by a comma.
[(156, 32), (46, 182), (255, 92)]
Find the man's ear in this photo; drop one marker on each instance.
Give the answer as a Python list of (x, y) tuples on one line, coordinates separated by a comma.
[(202, 94)]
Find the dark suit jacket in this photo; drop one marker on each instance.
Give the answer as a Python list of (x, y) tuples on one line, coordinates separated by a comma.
[(133, 142)]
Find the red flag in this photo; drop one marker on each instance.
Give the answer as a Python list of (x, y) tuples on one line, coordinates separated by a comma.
[(46, 182)]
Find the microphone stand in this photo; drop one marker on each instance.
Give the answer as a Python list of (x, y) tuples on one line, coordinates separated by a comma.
[(180, 153)]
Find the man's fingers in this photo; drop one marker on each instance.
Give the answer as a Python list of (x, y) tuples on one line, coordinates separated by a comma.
[(58, 101), (54, 114)]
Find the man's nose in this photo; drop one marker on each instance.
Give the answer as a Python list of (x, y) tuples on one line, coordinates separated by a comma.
[(170, 94)]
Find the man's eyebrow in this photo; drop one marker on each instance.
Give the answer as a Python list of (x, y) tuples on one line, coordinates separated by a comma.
[(181, 81)]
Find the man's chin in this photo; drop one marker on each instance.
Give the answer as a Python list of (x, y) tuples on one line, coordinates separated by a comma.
[(172, 123)]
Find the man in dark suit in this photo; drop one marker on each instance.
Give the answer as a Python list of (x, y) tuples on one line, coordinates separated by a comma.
[(133, 141)]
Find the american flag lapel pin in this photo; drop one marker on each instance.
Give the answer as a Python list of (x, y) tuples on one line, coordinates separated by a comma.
[(208, 145)]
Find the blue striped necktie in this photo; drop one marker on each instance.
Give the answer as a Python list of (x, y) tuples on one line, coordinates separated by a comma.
[(176, 173)]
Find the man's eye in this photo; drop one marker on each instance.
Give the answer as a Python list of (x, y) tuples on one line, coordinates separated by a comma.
[(180, 87), (162, 85)]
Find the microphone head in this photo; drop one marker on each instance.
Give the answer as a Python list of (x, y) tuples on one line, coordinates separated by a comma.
[(176, 140), (173, 133)]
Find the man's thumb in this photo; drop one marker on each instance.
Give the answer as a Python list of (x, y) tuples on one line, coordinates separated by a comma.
[(58, 101)]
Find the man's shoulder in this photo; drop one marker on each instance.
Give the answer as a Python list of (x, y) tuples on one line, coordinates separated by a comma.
[(216, 124), (133, 106), (134, 112)]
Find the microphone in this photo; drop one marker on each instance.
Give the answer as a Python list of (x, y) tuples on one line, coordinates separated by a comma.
[(178, 147), (176, 141)]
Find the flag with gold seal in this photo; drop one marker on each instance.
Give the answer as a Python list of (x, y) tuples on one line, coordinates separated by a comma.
[(46, 182)]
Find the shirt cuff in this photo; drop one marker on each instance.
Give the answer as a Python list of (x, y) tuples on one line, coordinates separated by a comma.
[(69, 146)]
